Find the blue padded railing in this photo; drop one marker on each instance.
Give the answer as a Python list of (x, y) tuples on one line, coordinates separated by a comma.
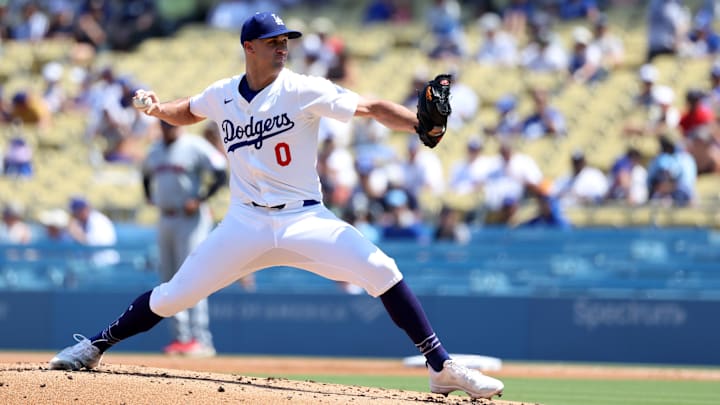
[(679, 262)]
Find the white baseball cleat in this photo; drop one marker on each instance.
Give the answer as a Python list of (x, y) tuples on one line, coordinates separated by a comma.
[(80, 355), (454, 377)]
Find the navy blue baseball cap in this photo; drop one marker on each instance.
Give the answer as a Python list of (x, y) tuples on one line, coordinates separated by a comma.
[(265, 25)]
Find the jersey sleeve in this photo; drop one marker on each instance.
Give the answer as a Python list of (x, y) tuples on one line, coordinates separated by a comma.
[(324, 98), (207, 103)]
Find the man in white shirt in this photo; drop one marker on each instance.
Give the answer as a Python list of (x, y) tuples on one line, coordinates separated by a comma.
[(91, 227)]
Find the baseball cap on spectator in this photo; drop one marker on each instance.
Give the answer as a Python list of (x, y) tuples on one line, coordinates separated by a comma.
[(475, 143), (364, 166), (581, 35), (312, 45), (265, 25), (577, 155), (54, 217), (52, 72), (648, 73), (506, 103), (78, 203), (20, 98), (663, 95), (489, 22), (694, 95)]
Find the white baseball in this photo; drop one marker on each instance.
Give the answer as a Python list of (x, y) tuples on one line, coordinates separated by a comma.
[(142, 102)]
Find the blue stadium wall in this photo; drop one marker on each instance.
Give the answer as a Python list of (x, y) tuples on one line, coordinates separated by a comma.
[(562, 329)]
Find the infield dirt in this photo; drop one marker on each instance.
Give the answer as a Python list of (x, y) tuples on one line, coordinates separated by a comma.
[(155, 379)]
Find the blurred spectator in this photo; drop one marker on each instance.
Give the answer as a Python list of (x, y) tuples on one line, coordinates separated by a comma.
[(667, 25), (383, 11), (53, 94), (420, 77), (508, 122), (133, 21), (121, 129), (672, 174), (93, 20), (342, 71), (628, 179), (714, 90), (91, 227), (585, 64), (544, 54), (497, 48), (30, 109), (648, 75), (332, 45), (335, 167), (660, 118), (55, 222), (703, 145), (314, 62), (14, 230), (401, 221), (578, 9), (509, 177), (702, 40), (697, 112), (362, 216), (611, 46), (33, 24), (422, 170), (468, 176), (5, 23), (464, 101), (367, 196), (545, 119), (450, 226), (443, 18), (18, 159), (369, 141), (549, 213), (585, 185), (62, 20), (516, 15)]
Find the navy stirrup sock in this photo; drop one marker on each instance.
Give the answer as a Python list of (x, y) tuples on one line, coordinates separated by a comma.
[(405, 310), (136, 319)]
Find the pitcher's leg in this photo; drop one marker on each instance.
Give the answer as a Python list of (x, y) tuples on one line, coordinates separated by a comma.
[(216, 263), (338, 251)]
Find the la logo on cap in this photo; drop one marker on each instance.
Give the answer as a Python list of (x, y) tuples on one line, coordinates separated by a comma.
[(277, 19)]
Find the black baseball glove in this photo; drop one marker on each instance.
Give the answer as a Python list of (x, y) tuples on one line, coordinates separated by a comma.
[(433, 109)]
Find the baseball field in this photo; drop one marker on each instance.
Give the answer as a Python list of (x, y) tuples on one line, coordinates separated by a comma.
[(156, 379)]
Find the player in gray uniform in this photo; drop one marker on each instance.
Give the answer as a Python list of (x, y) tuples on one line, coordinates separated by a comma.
[(270, 121), (173, 174)]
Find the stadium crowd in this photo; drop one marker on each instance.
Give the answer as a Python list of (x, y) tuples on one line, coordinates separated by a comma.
[(365, 180)]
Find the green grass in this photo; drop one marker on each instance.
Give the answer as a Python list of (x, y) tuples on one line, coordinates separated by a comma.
[(561, 391)]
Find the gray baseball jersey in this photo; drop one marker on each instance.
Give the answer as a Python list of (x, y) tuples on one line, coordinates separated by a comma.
[(176, 171)]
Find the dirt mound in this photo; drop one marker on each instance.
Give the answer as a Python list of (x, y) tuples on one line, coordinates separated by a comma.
[(33, 383)]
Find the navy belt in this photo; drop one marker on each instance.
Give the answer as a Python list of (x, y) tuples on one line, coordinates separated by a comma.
[(306, 203)]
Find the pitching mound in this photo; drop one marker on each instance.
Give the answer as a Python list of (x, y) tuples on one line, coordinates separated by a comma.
[(33, 383)]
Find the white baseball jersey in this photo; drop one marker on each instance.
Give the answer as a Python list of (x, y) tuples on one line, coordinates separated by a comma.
[(271, 141)]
